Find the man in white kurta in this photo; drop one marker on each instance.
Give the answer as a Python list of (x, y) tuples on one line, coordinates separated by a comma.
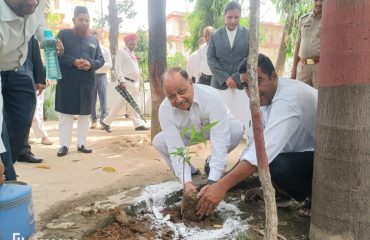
[(128, 72), (190, 105)]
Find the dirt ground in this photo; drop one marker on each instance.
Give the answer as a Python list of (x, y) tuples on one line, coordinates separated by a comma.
[(71, 193), (120, 160)]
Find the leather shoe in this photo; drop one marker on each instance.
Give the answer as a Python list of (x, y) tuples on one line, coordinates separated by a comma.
[(142, 128), (84, 149), (62, 151), (105, 127), (29, 158)]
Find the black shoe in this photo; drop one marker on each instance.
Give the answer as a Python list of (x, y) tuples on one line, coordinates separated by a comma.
[(206, 165), (62, 151), (29, 158), (84, 149), (105, 127), (142, 128)]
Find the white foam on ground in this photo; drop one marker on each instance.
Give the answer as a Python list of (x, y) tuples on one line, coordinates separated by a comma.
[(155, 195)]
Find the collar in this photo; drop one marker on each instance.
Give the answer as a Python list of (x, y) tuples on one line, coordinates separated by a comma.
[(314, 15), (6, 13), (196, 95), (235, 29)]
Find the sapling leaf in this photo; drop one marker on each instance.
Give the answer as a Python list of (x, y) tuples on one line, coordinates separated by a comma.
[(208, 126), (184, 131)]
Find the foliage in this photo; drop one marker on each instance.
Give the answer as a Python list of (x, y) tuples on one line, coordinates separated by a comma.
[(196, 137), (296, 9), (125, 7), (177, 60), (53, 20), (210, 13), (206, 13), (49, 103), (142, 52)]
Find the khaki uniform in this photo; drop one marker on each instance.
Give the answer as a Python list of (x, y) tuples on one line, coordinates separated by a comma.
[(309, 38)]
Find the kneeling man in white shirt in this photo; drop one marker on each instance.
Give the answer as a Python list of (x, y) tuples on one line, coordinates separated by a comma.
[(288, 110), (190, 105)]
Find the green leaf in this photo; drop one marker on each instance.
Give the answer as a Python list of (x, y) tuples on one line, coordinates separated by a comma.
[(184, 131)]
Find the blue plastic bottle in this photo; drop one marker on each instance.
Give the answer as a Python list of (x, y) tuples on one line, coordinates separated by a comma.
[(51, 56)]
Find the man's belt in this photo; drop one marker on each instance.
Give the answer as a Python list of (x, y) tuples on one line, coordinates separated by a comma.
[(310, 61), (100, 74), (129, 79)]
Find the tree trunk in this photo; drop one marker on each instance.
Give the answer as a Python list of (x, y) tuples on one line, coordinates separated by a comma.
[(263, 167), (157, 57), (341, 182), (114, 22), (280, 62)]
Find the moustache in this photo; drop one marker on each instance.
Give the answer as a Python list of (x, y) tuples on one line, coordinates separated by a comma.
[(181, 102)]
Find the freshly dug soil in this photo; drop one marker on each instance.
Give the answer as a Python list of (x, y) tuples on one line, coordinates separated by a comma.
[(189, 211), (142, 226)]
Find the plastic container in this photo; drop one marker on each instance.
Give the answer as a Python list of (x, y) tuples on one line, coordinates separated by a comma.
[(16, 211), (51, 56)]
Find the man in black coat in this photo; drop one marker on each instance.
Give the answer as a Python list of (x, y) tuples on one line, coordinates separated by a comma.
[(74, 92)]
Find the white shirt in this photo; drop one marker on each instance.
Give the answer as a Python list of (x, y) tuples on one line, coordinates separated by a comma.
[(126, 65), (15, 32), (231, 35), (289, 121), (108, 61), (192, 67), (207, 107), (202, 60)]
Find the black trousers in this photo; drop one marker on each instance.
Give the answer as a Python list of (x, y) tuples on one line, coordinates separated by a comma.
[(19, 97), (293, 172), (205, 79)]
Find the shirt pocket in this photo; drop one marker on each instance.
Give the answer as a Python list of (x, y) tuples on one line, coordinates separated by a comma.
[(306, 29)]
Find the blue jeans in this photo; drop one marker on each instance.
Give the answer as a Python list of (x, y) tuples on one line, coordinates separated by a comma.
[(100, 88)]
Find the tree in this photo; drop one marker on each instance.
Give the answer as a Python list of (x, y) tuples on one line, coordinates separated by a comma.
[(291, 11), (262, 162), (157, 56), (341, 186), (113, 19)]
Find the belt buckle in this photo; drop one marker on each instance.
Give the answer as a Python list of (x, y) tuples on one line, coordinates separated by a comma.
[(310, 61)]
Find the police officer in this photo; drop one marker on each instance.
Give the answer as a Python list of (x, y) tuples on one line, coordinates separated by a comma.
[(306, 60)]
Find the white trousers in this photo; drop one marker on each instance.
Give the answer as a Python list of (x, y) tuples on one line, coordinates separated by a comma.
[(133, 89), (65, 129), (236, 133), (237, 101), (38, 118)]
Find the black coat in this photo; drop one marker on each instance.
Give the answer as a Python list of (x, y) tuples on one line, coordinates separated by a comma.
[(74, 92), (39, 73)]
